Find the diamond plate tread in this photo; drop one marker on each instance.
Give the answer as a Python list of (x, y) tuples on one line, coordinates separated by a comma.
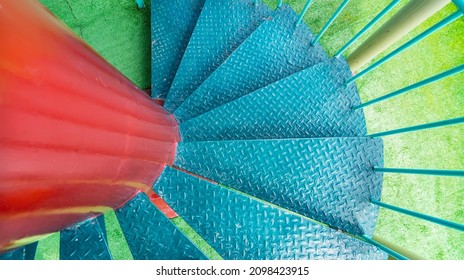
[(101, 223), (275, 50), (31, 249), (330, 180), (84, 241), (151, 235), (16, 254), (222, 26), (172, 24), (22, 253), (241, 227), (311, 103)]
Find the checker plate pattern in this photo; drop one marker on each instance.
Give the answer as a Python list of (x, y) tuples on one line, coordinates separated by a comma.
[(84, 241), (172, 24), (327, 179), (273, 51), (240, 227), (101, 223), (22, 253), (31, 249), (223, 25), (312, 103), (151, 235), (16, 254)]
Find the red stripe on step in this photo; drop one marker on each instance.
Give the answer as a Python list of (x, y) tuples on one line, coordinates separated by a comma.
[(163, 206), (194, 175)]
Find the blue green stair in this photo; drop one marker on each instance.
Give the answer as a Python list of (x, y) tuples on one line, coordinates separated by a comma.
[(327, 179), (314, 102), (241, 227), (275, 50), (23, 253), (84, 241), (173, 22), (274, 164), (150, 235), (221, 28)]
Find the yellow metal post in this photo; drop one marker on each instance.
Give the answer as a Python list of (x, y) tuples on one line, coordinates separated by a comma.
[(410, 16), (405, 252)]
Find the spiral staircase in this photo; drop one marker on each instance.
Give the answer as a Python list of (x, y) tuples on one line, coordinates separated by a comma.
[(273, 162)]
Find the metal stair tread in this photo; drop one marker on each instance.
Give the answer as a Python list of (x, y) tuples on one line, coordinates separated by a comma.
[(327, 179), (314, 102), (173, 23), (84, 241), (151, 235), (22, 253), (222, 26), (275, 50), (241, 227)]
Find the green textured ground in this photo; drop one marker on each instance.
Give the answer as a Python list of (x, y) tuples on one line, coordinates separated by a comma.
[(121, 33), (115, 28)]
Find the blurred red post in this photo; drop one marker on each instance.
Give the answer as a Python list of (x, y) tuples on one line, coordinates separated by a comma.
[(77, 138)]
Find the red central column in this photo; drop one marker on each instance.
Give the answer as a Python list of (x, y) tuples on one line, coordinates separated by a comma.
[(77, 138)]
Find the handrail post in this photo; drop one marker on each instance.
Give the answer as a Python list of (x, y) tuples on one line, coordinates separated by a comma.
[(303, 12), (433, 79), (421, 216), (384, 248), (430, 172), (459, 4), (409, 17), (140, 4), (419, 127), (330, 21)]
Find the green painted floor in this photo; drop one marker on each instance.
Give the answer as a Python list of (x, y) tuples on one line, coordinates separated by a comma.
[(121, 33)]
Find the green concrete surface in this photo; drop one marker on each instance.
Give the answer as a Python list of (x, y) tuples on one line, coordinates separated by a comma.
[(116, 29), (49, 248), (121, 33), (117, 243), (209, 252)]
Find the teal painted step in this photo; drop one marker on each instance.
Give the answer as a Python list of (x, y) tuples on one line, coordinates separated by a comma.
[(314, 102), (151, 235), (84, 241), (31, 249), (22, 253), (172, 24), (222, 26), (330, 180), (101, 223), (275, 50), (241, 227)]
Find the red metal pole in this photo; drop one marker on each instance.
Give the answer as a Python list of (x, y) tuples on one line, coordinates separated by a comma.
[(76, 137)]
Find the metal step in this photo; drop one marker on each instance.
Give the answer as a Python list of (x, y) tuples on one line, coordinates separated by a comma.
[(330, 180), (23, 253), (172, 25), (240, 227), (84, 241), (274, 51), (151, 235), (312, 103), (222, 26)]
